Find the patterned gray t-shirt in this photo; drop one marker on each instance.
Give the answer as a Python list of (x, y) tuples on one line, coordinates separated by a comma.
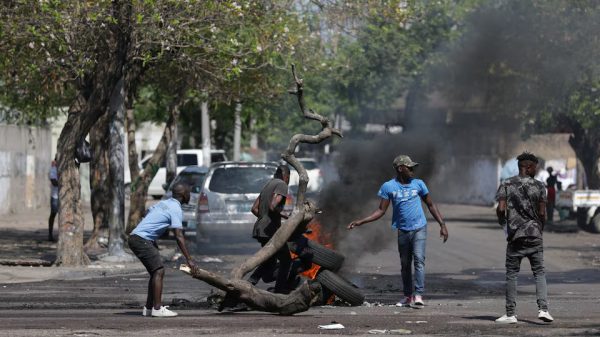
[(523, 196)]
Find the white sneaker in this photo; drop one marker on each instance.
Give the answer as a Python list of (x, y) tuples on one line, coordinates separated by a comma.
[(544, 315), (418, 302), (405, 302), (145, 311), (163, 312), (507, 319)]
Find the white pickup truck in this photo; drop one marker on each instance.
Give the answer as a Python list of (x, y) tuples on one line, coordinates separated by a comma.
[(585, 204)]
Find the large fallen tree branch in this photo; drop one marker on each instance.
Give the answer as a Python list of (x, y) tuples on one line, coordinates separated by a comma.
[(238, 290)]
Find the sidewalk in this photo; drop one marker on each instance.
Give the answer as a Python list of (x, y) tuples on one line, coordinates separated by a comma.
[(23, 240)]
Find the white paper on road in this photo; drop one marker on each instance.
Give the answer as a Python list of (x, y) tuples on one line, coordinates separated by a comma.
[(335, 326)]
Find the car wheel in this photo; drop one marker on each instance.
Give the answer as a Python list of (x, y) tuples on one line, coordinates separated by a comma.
[(594, 225), (339, 286)]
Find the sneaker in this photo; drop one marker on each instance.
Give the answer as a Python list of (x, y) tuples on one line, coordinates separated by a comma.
[(544, 315), (418, 302), (507, 319), (405, 302), (145, 312), (163, 312)]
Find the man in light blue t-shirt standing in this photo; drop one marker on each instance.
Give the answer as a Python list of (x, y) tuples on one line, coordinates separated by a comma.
[(405, 193), (165, 215)]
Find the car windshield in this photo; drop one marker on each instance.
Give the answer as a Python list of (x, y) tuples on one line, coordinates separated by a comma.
[(309, 164), (189, 178), (246, 179)]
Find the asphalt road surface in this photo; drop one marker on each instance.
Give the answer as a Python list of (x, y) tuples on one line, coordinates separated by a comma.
[(464, 293)]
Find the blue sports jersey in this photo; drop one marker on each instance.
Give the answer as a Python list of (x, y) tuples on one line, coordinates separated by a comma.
[(408, 212), (163, 215)]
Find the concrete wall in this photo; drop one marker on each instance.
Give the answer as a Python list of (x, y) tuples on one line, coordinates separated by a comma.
[(25, 157)]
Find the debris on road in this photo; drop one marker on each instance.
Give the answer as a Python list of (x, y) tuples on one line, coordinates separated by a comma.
[(211, 259), (390, 332), (333, 326)]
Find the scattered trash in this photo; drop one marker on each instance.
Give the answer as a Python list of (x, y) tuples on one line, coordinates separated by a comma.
[(211, 259), (400, 332), (416, 322), (377, 332), (374, 304), (333, 326)]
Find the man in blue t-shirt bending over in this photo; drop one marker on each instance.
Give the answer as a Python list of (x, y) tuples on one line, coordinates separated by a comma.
[(165, 215), (405, 193)]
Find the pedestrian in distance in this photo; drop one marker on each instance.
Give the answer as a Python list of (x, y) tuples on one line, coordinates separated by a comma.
[(167, 214), (267, 208), (53, 176), (405, 193), (551, 184), (522, 212)]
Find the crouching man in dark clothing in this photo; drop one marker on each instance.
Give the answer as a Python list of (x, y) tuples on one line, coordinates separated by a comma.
[(522, 211), (166, 214), (267, 208)]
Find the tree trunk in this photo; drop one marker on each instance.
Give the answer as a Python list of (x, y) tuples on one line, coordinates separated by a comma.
[(117, 171), (253, 134), (172, 156), (206, 143), (99, 181), (237, 130), (586, 145), (83, 114), (141, 181)]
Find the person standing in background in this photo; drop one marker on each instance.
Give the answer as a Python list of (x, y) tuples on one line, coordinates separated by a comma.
[(53, 176)]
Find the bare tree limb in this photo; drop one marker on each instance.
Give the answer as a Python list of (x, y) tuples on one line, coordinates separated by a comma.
[(238, 290)]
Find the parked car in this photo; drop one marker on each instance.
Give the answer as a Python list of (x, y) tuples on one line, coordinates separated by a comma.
[(315, 176), (184, 158), (194, 177), (228, 193)]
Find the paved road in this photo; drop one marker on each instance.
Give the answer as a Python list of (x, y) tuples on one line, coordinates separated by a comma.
[(464, 292)]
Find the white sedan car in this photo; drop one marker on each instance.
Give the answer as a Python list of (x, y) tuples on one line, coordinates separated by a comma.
[(315, 176)]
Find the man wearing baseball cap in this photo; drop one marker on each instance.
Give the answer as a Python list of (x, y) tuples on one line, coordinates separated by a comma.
[(405, 193)]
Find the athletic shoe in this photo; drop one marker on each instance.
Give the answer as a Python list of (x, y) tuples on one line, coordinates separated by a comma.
[(405, 302), (507, 319), (163, 312), (544, 315), (418, 302), (145, 312)]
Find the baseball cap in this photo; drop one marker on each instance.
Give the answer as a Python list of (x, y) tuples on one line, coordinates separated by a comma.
[(404, 160)]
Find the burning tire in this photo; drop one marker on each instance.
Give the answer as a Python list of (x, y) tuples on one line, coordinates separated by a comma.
[(321, 255), (339, 286)]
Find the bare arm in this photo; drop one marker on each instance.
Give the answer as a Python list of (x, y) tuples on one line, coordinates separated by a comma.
[(436, 215), (378, 213), (542, 213), (181, 243), (501, 211)]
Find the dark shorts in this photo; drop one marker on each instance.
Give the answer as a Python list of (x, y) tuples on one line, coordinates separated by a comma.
[(147, 252), (54, 205)]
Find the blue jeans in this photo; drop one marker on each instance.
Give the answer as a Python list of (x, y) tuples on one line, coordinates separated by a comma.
[(411, 246)]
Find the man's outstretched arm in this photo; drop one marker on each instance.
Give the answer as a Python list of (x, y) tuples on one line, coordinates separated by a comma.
[(378, 213)]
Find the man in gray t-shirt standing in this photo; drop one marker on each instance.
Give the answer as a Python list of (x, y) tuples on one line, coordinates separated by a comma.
[(267, 208), (522, 212)]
